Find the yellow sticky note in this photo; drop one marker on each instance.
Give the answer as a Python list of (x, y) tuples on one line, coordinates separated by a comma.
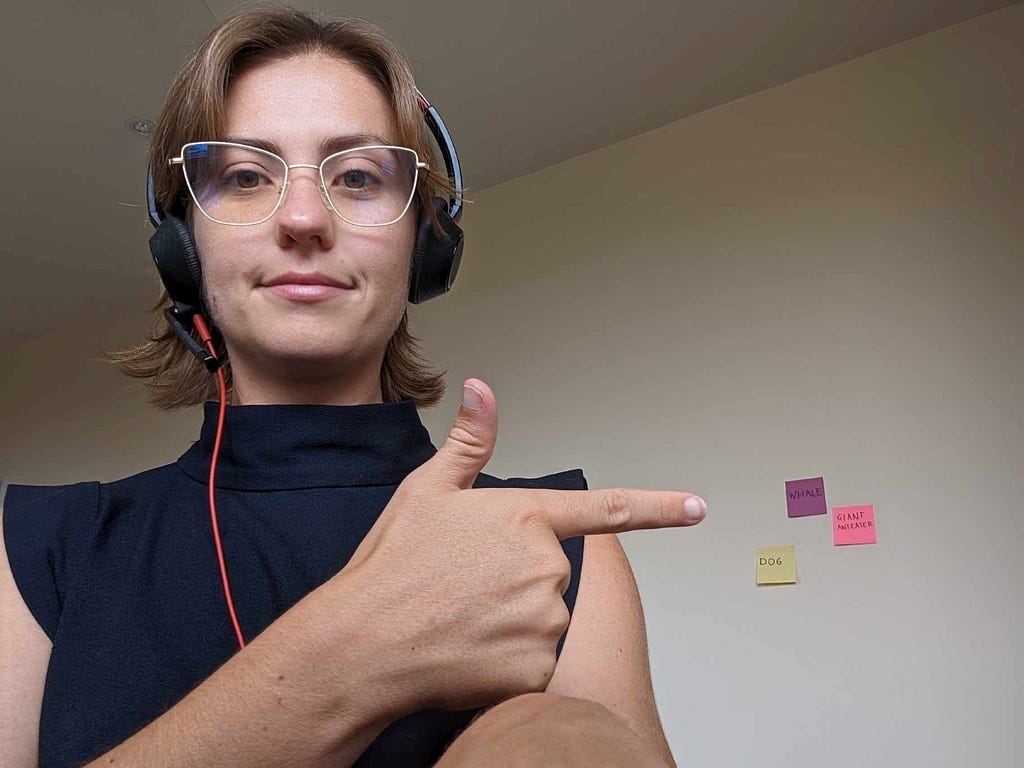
[(776, 565)]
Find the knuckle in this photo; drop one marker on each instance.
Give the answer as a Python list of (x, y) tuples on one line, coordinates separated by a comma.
[(617, 508), (668, 512), (560, 572), (560, 620), (564, 574), (539, 674), (530, 516), (465, 440)]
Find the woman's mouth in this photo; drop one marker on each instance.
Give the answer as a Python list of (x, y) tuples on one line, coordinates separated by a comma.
[(306, 286)]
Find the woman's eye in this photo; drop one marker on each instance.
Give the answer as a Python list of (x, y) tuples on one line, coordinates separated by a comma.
[(245, 179), (356, 180), (238, 178)]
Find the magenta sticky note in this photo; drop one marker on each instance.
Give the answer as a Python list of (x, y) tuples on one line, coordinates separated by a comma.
[(805, 497), (854, 525)]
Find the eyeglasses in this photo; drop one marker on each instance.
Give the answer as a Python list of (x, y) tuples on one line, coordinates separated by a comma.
[(240, 185)]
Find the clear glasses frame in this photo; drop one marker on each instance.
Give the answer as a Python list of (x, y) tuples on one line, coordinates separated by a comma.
[(417, 167)]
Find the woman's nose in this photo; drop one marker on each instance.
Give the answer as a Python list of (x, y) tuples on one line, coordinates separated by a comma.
[(304, 216)]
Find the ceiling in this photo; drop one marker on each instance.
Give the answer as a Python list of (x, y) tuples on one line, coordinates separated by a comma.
[(522, 85)]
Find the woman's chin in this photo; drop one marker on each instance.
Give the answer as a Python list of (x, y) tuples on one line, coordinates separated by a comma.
[(304, 357)]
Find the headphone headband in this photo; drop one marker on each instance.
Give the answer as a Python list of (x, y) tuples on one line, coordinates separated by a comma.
[(155, 214), (447, 147)]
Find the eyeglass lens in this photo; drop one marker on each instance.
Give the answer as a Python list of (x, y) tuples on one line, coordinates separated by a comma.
[(234, 184)]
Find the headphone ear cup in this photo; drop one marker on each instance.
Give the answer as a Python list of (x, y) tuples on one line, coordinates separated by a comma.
[(177, 261), (436, 255)]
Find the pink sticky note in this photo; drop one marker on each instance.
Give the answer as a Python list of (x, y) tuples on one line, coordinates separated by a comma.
[(805, 497), (854, 525)]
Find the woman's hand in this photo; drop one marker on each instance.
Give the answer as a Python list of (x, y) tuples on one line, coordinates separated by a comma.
[(466, 584)]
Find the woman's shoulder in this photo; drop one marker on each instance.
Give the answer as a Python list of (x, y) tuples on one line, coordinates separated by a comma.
[(45, 509), (48, 528), (40, 525), (51, 517), (63, 503)]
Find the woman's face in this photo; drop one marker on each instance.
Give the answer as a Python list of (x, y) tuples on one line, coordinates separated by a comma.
[(256, 276)]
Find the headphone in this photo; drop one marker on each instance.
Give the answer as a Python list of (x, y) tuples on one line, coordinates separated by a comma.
[(436, 254)]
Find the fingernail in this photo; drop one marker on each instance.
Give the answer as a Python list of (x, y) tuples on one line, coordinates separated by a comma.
[(695, 508), (471, 398)]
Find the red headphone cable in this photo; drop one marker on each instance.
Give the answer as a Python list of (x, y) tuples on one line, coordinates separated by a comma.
[(206, 337)]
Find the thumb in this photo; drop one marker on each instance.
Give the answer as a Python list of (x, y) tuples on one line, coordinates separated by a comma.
[(471, 442)]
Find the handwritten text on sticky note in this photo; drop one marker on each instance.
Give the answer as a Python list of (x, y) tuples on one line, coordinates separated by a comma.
[(854, 525), (776, 565), (805, 497)]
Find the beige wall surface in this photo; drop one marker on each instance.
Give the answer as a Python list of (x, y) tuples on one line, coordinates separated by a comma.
[(821, 279)]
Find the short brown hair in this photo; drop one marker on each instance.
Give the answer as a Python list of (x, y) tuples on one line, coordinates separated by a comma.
[(194, 111)]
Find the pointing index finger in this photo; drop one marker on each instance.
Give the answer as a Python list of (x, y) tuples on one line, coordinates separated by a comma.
[(614, 510)]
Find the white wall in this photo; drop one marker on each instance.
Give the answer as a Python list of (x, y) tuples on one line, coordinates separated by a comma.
[(68, 415), (821, 279)]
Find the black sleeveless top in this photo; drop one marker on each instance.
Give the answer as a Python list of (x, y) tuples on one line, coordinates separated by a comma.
[(123, 576)]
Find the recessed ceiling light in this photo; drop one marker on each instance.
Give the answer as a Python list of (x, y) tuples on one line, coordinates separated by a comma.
[(140, 125)]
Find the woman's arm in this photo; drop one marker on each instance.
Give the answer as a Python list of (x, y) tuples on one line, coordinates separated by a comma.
[(24, 656), (308, 691), (604, 658)]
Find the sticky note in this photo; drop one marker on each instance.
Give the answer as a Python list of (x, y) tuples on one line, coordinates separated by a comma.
[(776, 565), (805, 497), (854, 525)]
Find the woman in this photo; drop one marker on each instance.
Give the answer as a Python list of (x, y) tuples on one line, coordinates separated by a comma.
[(362, 598)]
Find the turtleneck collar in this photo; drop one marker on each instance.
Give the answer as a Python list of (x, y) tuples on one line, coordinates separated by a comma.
[(285, 447)]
